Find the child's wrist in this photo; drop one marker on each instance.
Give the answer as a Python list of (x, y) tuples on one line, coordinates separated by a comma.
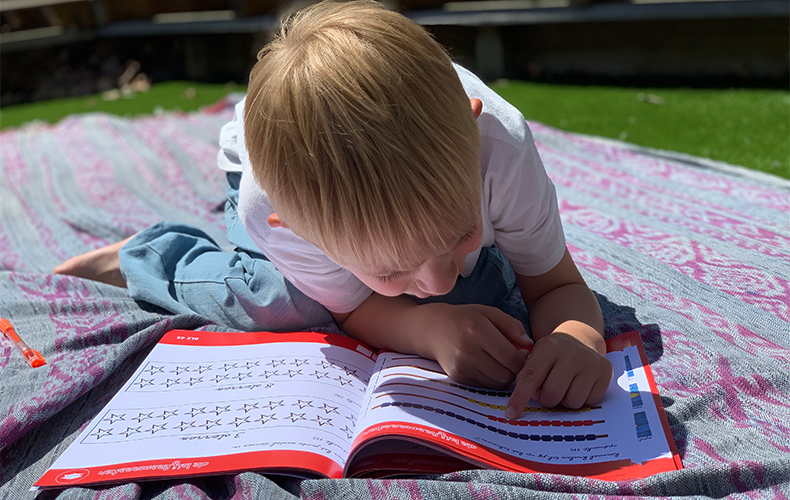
[(584, 333)]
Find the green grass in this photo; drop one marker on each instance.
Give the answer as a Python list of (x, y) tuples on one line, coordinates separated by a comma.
[(743, 127), (165, 96)]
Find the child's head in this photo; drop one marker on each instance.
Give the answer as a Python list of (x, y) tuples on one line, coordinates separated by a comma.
[(362, 136)]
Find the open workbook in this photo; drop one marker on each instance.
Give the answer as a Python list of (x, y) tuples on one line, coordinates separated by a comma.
[(322, 405)]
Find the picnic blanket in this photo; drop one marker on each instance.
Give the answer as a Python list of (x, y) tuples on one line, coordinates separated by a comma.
[(693, 253)]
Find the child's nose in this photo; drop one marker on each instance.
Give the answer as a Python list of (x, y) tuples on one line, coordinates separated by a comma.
[(437, 278)]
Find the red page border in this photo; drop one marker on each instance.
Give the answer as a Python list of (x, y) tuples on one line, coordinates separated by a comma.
[(618, 470), (271, 460), (218, 339), (633, 338)]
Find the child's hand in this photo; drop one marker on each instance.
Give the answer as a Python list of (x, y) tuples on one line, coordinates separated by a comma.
[(560, 369), (474, 343)]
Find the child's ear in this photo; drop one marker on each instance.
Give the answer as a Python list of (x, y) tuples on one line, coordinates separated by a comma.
[(274, 220), (477, 107)]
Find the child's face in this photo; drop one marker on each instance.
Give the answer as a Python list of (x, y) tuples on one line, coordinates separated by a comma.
[(436, 276)]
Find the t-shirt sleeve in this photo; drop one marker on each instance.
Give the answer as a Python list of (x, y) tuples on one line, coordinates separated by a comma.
[(522, 207), (315, 274), (310, 270), (228, 157)]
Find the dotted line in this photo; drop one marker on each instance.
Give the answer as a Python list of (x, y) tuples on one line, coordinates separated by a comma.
[(482, 425), (531, 409)]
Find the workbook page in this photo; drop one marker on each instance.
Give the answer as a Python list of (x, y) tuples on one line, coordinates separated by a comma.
[(412, 396), (198, 404)]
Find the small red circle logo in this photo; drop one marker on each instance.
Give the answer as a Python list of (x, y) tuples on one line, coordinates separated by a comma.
[(73, 475)]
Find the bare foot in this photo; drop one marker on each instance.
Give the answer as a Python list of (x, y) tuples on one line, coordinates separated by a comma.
[(102, 265)]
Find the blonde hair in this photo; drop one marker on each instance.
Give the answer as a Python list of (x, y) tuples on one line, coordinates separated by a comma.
[(362, 136)]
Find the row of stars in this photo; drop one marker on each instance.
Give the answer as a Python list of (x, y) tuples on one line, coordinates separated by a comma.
[(200, 369), (209, 424), (144, 382), (218, 410)]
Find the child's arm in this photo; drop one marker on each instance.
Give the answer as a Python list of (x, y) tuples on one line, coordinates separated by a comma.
[(567, 363), (472, 343)]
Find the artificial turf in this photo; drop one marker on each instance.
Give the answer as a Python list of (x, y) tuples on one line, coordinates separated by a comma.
[(747, 127)]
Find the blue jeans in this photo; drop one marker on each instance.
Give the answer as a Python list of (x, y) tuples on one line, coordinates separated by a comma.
[(182, 270)]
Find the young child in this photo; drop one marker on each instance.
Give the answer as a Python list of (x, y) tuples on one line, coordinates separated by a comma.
[(371, 172)]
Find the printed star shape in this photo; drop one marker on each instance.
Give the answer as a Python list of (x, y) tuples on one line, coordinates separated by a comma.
[(143, 416), (268, 374), (154, 369), (349, 432), (186, 425), (197, 411), (252, 364), (344, 381), (219, 378), (242, 376), (302, 404), (229, 366), (265, 418), (241, 420), (298, 362), (100, 433), (195, 380), (276, 362), (180, 369), (132, 430), (114, 418), (172, 382), (320, 375), (219, 410), (329, 409), (203, 368), (211, 423), (167, 414), (249, 407), (294, 373), (144, 382), (156, 428), (353, 419), (274, 404), (322, 420), (296, 416), (349, 371), (326, 364)]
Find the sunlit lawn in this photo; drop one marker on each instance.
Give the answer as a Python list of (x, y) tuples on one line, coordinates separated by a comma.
[(743, 126)]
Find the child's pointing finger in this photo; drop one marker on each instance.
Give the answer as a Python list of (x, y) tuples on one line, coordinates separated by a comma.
[(528, 381)]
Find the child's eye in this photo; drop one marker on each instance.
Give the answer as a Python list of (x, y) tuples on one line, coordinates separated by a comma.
[(466, 238), (390, 277)]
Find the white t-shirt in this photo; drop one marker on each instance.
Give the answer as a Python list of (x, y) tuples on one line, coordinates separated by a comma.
[(518, 206)]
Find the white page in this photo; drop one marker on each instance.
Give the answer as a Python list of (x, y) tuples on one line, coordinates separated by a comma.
[(196, 401), (608, 430)]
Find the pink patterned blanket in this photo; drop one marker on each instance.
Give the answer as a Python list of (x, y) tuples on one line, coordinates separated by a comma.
[(695, 254)]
